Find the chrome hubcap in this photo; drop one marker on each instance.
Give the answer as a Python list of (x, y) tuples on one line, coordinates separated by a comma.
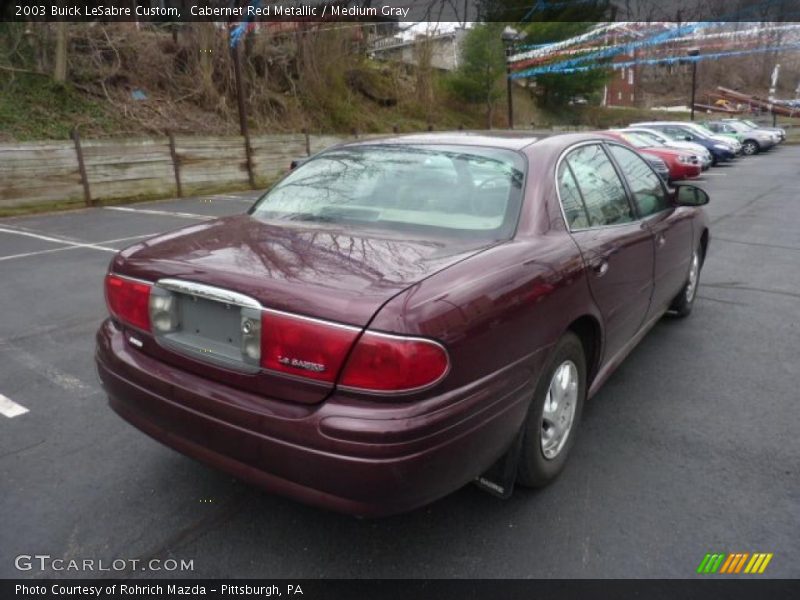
[(694, 273), (559, 409)]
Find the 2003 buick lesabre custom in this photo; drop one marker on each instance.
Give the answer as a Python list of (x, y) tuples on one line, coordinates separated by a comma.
[(397, 317)]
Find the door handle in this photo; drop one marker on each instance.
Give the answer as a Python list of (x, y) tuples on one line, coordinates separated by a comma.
[(661, 240), (600, 267)]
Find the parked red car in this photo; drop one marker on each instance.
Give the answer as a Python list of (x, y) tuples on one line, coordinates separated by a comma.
[(397, 317), (682, 164)]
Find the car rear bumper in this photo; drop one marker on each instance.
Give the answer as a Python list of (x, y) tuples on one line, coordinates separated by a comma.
[(339, 454)]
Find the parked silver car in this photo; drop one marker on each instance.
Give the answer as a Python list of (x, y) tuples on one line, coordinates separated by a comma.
[(754, 140), (779, 131)]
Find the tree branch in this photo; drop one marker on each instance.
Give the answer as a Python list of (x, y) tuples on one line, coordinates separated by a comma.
[(16, 70)]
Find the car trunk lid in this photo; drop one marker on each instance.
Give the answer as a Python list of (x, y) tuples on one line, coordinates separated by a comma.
[(335, 275)]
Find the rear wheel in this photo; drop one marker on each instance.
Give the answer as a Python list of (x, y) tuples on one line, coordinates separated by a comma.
[(750, 147), (684, 301), (554, 414)]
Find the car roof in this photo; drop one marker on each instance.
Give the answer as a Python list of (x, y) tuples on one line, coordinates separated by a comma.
[(510, 140), (652, 123)]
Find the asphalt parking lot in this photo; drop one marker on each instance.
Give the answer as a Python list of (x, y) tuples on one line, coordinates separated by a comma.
[(692, 446)]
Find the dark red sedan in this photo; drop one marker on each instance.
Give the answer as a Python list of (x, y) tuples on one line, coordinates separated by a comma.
[(682, 164), (399, 317)]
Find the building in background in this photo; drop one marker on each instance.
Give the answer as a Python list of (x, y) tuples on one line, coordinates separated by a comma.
[(444, 49), (621, 88)]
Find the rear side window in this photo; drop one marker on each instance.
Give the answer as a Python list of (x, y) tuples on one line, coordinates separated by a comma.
[(600, 187), (648, 192), (679, 133), (574, 209)]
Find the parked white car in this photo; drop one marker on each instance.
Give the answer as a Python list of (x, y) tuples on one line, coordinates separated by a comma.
[(705, 156)]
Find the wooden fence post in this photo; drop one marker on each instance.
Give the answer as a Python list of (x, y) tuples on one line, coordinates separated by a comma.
[(176, 163), (308, 141), (87, 195)]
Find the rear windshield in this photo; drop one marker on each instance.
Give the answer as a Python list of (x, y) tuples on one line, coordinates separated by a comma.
[(636, 140), (457, 190)]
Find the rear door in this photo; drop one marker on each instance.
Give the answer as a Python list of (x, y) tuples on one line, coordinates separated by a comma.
[(617, 248), (671, 226)]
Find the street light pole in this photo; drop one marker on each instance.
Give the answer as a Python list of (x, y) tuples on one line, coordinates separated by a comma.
[(509, 36), (693, 52), (509, 97)]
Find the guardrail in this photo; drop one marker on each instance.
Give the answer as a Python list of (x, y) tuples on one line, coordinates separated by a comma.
[(100, 171)]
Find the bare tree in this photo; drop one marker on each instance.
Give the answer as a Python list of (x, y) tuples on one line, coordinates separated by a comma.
[(60, 69)]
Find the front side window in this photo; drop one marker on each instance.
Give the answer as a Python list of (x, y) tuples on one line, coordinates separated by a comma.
[(452, 190), (648, 192), (602, 191)]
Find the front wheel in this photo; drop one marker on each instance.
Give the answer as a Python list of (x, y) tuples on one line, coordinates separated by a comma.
[(750, 147), (554, 414), (684, 301)]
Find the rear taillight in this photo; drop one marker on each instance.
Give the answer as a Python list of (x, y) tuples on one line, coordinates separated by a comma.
[(394, 364), (379, 362), (128, 300), (304, 347)]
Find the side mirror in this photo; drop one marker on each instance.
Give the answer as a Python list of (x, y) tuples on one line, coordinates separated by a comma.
[(296, 163), (688, 138), (690, 195)]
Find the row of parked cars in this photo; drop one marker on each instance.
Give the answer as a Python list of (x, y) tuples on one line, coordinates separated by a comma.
[(682, 150)]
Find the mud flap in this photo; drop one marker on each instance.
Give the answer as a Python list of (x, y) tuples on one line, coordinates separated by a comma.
[(499, 479)]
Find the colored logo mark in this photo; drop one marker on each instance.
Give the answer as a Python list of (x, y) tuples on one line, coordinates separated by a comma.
[(735, 562)]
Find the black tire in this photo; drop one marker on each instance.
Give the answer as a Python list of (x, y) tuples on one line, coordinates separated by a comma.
[(535, 470), (684, 302), (714, 160), (750, 147)]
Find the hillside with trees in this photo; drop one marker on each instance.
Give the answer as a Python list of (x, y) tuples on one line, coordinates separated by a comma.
[(120, 79)]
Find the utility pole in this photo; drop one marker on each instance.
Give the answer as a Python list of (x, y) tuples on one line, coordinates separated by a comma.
[(237, 73)]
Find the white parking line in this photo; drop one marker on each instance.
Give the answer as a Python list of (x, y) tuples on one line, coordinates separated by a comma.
[(73, 247), (242, 198), (10, 409), (55, 240), (162, 213), (54, 375)]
